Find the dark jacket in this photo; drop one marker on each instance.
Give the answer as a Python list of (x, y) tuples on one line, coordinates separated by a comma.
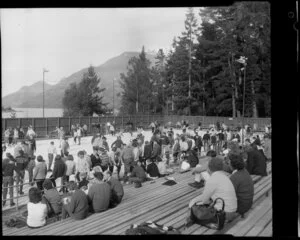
[(95, 159), (256, 163), (8, 168), (60, 169), (117, 191), (147, 151), (99, 195), (244, 189), (155, 151), (139, 172), (193, 158), (54, 199), (206, 137), (21, 162), (79, 205), (152, 170), (198, 141), (118, 143)]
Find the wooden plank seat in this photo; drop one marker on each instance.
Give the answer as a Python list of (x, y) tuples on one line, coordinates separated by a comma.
[(146, 203), (262, 188), (171, 214), (138, 197)]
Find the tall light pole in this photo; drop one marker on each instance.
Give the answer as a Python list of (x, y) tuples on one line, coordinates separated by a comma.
[(114, 96), (243, 60), (137, 95), (44, 70)]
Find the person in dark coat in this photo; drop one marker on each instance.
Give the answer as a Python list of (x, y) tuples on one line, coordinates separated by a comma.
[(256, 163), (59, 171), (76, 206), (152, 169), (147, 150), (242, 183), (117, 191)]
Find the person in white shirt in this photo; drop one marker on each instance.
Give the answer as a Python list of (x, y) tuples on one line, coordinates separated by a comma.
[(183, 144), (218, 186), (37, 211), (79, 133), (51, 153)]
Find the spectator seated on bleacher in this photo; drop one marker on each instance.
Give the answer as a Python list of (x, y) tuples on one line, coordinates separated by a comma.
[(201, 170), (77, 205), (152, 169), (218, 186), (83, 183), (242, 182), (192, 158), (117, 191), (52, 198), (267, 147), (37, 211), (137, 175), (99, 194), (256, 163)]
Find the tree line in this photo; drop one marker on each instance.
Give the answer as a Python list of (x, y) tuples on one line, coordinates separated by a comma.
[(203, 73), (218, 67)]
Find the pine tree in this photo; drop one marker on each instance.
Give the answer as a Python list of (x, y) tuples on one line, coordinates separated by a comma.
[(85, 98), (136, 85)]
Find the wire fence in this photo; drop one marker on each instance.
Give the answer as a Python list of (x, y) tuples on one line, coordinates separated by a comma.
[(44, 127)]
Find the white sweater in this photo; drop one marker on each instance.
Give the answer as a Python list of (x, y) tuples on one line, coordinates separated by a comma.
[(37, 213)]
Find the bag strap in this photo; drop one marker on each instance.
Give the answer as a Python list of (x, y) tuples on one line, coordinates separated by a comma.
[(221, 200)]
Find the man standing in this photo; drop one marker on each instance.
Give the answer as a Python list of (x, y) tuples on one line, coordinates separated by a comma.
[(8, 168), (127, 157), (22, 162)]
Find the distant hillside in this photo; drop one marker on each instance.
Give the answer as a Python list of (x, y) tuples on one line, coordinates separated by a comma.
[(31, 96)]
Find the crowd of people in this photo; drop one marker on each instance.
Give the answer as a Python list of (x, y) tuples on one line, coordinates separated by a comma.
[(222, 161)]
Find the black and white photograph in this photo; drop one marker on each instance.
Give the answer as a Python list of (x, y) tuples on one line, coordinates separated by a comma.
[(137, 121)]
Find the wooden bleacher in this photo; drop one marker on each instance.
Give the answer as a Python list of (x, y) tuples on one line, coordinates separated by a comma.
[(165, 205)]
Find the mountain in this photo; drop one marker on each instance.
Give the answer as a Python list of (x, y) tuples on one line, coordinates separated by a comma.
[(29, 97), (18, 98)]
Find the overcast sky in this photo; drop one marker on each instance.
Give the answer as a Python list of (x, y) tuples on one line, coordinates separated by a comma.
[(67, 40)]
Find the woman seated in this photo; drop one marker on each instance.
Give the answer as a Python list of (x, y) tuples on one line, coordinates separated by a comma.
[(218, 186), (37, 211), (242, 183)]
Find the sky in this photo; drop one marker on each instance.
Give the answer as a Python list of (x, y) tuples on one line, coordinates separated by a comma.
[(66, 40)]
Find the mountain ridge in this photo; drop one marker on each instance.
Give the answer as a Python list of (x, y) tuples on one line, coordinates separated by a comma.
[(28, 97)]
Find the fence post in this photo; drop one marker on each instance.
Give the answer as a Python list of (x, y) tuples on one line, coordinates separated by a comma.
[(122, 122), (32, 123), (70, 125), (58, 122)]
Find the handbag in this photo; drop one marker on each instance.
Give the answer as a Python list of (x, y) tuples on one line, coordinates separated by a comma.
[(207, 215)]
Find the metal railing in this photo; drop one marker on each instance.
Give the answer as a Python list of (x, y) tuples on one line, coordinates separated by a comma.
[(23, 195)]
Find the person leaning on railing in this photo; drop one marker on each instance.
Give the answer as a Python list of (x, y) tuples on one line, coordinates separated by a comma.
[(8, 168), (40, 172), (21, 163)]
